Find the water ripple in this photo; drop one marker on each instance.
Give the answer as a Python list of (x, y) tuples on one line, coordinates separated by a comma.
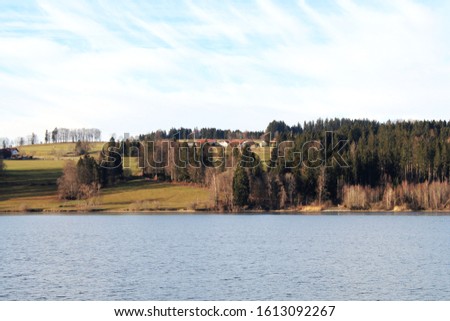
[(224, 257)]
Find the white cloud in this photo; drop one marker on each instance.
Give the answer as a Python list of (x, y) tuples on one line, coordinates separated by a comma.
[(239, 66)]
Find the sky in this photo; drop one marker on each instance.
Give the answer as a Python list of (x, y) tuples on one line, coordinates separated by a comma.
[(138, 66)]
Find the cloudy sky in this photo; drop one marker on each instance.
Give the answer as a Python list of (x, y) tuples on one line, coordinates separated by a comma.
[(136, 66)]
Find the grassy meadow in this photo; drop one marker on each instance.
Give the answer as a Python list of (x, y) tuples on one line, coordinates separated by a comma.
[(57, 150), (30, 186)]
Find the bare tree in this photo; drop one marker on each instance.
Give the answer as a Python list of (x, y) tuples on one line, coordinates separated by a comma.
[(82, 148), (55, 135), (97, 135), (5, 142), (68, 184), (321, 184), (290, 187), (33, 139), (355, 197), (221, 188)]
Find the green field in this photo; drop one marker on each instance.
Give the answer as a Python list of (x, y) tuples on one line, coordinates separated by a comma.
[(56, 151), (30, 185)]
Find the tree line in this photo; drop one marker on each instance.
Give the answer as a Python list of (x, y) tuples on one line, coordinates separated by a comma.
[(210, 133), (65, 135), (57, 135), (359, 164), (379, 165)]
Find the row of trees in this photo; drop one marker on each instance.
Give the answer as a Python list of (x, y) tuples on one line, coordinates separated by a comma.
[(19, 141), (435, 195), (211, 133), (64, 135), (57, 135)]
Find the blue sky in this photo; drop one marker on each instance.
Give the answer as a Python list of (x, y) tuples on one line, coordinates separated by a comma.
[(136, 66)]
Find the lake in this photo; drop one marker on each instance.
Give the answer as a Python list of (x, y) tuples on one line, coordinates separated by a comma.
[(224, 257)]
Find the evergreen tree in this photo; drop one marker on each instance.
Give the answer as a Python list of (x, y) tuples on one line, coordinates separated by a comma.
[(111, 164), (241, 187), (87, 170), (55, 135)]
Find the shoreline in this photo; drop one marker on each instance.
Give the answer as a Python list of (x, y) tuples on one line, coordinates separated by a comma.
[(329, 211)]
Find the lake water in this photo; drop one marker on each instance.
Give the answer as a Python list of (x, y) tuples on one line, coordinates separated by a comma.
[(224, 257)]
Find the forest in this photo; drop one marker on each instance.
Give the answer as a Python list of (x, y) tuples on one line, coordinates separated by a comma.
[(352, 164)]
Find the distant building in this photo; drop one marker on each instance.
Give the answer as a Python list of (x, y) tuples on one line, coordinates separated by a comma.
[(223, 143), (10, 153)]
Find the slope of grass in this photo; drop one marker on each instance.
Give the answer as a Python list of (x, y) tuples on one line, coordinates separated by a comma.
[(30, 185), (58, 150), (141, 195)]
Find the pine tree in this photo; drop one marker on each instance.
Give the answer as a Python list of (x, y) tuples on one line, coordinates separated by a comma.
[(241, 187), (87, 170), (111, 164)]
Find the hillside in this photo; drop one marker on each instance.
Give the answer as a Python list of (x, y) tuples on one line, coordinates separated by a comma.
[(331, 163), (30, 185), (57, 150)]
